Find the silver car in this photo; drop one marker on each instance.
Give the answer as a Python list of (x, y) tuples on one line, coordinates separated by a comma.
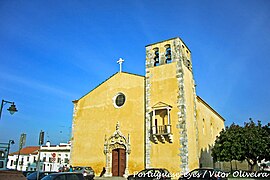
[(87, 172)]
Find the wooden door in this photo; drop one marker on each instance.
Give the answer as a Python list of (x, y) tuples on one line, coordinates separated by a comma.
[(118, 162), (115, 162), (122, 162)]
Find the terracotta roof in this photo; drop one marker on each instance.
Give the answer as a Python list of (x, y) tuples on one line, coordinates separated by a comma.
[(27, 150)]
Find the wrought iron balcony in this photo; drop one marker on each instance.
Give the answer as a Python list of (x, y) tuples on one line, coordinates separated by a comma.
[(161, 130), (161, 133)]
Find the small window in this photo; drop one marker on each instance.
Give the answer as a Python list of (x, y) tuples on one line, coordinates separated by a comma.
[(156, 57), (211, 128), (168, 54), (119, 100), (2, 154), (188, 64), (66, 160), (203, 126)]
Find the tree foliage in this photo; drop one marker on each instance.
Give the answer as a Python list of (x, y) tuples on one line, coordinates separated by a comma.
[(250, 142)]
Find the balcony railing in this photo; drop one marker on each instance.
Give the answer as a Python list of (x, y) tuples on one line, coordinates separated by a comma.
[(161, 130)]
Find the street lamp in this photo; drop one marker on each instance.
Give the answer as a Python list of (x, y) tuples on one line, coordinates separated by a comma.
[(7, 147), (12, 109)]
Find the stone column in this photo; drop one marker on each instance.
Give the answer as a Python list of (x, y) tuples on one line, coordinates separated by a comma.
[(169, 121), (108, 165), (153, 122), (127, 155), (126, 170)]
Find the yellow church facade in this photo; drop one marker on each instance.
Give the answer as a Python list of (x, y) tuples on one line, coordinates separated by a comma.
[(131, 122)]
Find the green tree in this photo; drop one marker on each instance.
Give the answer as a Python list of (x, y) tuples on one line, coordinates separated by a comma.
[(250, 142)]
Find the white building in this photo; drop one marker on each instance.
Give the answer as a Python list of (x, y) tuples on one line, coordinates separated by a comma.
[(52, 157), (265, 165), (28, 156)]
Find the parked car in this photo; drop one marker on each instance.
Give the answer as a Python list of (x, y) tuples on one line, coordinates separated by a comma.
[(87, 172), (153, 173), (205, 174), (26, 173), (33, 176), (64, 176)]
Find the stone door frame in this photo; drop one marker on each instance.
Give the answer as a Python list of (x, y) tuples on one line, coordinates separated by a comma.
[(116, 141)]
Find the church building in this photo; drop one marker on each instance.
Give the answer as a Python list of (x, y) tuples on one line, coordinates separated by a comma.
[(130, 122)]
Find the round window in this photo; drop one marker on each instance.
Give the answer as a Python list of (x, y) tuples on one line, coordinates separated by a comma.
[(120, 100)]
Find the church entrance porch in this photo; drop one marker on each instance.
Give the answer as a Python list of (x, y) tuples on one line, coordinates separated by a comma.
[(117, 150), (118, 162)]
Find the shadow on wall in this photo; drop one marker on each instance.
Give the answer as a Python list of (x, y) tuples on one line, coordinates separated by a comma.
[(206, 160)]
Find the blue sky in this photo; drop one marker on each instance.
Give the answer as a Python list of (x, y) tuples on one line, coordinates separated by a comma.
[(53, 52)]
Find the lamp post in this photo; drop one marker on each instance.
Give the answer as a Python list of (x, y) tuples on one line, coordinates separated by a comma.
[(40, 142), (7, 147), (12, 109), (22, 143)]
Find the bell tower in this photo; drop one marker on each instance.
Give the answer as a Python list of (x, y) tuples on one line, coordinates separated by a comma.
[(166, 52), (170, 124)]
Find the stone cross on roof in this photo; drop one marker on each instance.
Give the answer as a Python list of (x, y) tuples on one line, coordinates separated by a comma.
[(120, 61)]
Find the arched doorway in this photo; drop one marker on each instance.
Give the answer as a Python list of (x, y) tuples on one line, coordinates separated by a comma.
[(117, 150)]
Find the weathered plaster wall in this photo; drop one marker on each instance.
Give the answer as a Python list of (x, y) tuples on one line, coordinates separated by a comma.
[(164, 89), (210, 123), (95, 116), (172, 84)]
